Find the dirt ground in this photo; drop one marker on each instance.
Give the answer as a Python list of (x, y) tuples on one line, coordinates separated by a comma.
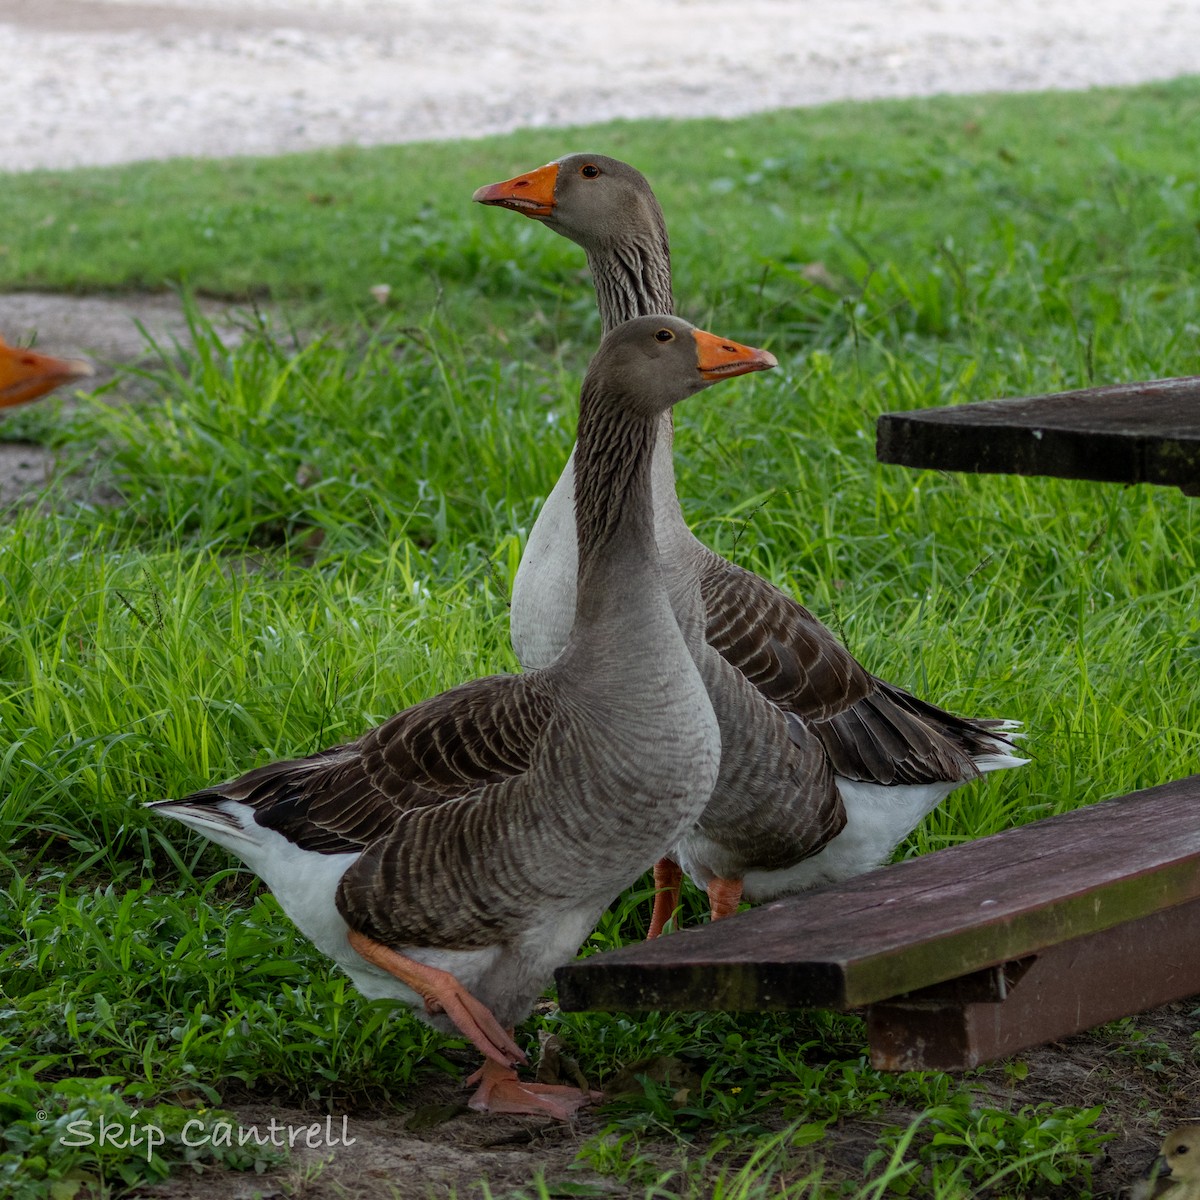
[(435, 1147)]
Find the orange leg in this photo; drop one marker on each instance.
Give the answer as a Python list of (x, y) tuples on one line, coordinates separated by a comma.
[(443, 993), (500, 1091), (724, 896), (668, 882)]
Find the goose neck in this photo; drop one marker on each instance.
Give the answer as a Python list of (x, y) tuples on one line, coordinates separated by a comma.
[(614, 517), (633, 275)]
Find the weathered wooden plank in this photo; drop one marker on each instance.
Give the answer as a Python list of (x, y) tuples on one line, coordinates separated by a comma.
[(1126, 433), (919, 922), (1063, 990)]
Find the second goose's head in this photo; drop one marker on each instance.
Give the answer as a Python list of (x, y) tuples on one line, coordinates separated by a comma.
[(590, 198), (649, 364)]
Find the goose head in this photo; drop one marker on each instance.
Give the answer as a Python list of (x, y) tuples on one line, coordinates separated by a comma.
[(649, 364), (590, 198), (25, 375)]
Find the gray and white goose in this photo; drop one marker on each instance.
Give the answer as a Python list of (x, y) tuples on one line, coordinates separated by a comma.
[(895, 757), (453, 856)]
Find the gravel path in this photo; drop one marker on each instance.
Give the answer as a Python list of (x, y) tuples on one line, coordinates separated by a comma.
[(105, 81)]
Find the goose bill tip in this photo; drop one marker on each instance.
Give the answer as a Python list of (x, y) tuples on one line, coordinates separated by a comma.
[(488, 194), (78, 368)]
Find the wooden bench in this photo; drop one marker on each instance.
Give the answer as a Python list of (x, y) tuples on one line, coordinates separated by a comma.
[(1127, 433), (958, 956)]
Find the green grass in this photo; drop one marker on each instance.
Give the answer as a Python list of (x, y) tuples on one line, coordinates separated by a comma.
[(320, 528)]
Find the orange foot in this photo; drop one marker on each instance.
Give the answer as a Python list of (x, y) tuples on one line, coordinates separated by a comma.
[(500, 1091), (668, 882), (724, 896), (444, 994)]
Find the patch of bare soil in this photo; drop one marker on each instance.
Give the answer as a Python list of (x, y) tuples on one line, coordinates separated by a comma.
[(433, 1146), (1147, 1079), (111, 331)]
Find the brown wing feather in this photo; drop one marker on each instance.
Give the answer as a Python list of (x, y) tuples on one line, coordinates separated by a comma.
[(872, 730), (778, 644), (444, 748), (780, 835)]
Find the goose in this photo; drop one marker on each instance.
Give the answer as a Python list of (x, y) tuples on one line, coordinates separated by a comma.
[(451, 857), (894, 757), (25, 374), (1175, 1173)]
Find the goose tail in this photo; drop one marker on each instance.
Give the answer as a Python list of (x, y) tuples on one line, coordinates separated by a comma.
[(1001, 752), (217, 818)]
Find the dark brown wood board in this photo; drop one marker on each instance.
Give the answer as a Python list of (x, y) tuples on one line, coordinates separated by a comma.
[(1061, 990), (1126, 433), (920, 922)]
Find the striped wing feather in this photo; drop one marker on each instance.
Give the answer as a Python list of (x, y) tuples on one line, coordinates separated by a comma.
[(872, 731), (789, 656), (781, 834), (444, 748)]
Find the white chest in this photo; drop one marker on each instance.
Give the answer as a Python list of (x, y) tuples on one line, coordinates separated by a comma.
[(543, 597)]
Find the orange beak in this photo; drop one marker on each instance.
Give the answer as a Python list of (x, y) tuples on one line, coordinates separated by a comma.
[(531, 194), (718, 358), (25, 375)]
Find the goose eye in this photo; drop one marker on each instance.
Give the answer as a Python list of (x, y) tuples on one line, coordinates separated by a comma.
[(589, 170), (1181, 1149), (665, 335)]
